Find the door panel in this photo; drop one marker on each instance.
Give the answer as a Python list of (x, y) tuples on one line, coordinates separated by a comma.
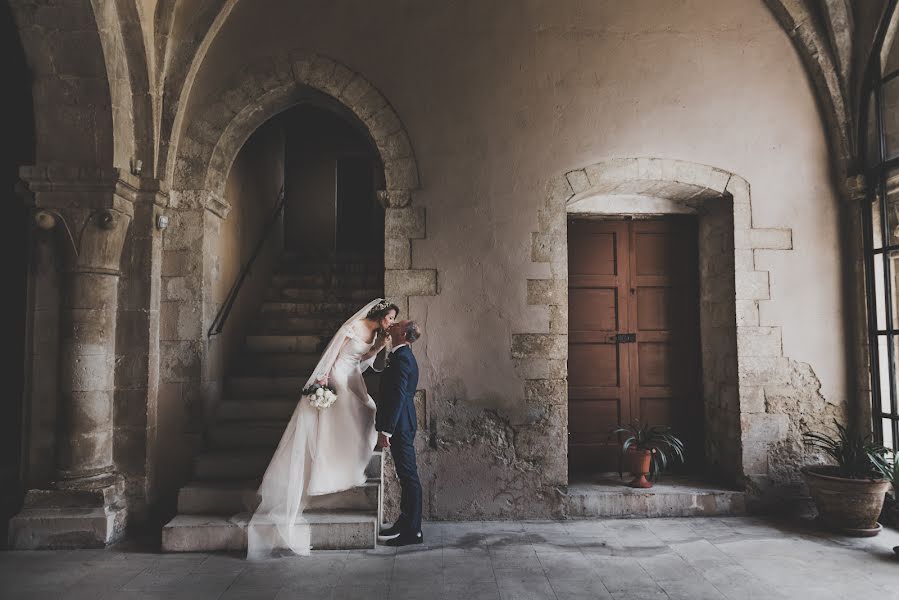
[(652, 308), (593, 365), (594, 309), (636, 277), (593, 252), (654, 362), (597, 381)]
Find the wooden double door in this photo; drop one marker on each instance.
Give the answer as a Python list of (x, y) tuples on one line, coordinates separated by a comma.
[(633, 334)]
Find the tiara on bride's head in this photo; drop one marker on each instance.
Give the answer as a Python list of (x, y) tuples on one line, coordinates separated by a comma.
[(382, 305)]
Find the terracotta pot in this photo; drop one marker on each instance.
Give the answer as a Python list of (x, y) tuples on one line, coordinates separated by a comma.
[(850, 506), (637, 463)]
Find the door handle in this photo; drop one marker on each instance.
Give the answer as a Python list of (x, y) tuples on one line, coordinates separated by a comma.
[(625, 338)]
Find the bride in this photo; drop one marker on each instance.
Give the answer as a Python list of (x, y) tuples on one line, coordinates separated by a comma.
[(323, 451)]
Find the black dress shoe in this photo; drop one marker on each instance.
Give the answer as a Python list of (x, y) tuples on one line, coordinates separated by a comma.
[(391, 531), (405, 539)]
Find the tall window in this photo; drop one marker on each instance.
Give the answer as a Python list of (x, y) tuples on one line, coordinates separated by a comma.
[(881, 223)]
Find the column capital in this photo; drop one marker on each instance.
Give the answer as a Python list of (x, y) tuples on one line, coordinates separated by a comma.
[(89, 209), (856, 187)]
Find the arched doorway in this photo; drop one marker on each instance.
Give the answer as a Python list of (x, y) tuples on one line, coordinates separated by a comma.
[(332, 173), (17, 142)]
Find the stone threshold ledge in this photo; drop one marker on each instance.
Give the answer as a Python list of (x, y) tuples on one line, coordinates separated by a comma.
[(672, 496)]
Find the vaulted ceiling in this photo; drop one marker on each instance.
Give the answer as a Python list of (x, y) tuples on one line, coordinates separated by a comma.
[(153, 50)]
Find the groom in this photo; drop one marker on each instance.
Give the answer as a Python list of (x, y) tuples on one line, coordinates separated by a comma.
[(396, 423)]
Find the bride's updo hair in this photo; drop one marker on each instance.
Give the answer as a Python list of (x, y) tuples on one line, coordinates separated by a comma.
[(380, 310)]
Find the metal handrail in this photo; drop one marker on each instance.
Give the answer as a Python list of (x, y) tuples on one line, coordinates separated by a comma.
[(218, 324)]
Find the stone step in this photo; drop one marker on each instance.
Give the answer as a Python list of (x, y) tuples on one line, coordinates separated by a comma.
[(251, 388), (329, 280), (229, 497), (229, 465), (261, 364), (336, 263), (210, 533), (672, 496), (224, 465), (269, 324), (301, 344), (331, 309), (238, 435), (272, 408), (300, 294), (263, 387)]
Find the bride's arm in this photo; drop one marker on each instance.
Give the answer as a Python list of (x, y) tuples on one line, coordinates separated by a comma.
[(380, 343)]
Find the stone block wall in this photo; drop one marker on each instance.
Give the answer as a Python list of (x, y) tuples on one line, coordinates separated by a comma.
[(181, 346)]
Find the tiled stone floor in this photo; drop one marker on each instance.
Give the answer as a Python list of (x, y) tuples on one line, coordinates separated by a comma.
[(694, 559)]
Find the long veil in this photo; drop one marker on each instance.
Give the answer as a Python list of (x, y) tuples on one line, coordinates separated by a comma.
[(278, 523)]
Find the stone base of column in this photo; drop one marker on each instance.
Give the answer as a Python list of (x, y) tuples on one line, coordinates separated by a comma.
[(61, 519)]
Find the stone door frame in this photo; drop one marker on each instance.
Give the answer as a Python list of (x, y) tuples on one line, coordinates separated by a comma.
[(740, 357)]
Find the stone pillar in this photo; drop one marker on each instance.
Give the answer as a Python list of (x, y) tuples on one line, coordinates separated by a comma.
[(87, 382), (82, 507), (137, 345), (854, 196)]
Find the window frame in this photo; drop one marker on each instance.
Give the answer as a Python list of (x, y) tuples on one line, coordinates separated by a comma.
[(877, 170)]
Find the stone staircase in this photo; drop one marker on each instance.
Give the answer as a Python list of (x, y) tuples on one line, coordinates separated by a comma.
[(303, 306)]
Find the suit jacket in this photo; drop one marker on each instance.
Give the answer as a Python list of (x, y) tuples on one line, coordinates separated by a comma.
[(396, 405)]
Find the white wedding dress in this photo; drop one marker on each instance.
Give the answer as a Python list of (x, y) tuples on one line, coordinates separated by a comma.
[(321, 452)]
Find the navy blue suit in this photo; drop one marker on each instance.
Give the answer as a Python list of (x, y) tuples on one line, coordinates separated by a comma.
[(396, 416)]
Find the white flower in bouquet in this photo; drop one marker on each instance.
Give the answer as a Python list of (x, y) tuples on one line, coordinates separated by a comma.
[(320, 396)]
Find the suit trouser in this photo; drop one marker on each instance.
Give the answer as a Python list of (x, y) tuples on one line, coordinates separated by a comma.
[(402, 449)]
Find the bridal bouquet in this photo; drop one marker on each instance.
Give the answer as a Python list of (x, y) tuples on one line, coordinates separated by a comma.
[(320, 396)]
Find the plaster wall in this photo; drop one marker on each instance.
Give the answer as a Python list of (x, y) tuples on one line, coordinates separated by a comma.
[(499, 102)]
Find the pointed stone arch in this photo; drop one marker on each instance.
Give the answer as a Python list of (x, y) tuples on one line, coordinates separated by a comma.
[(206, 150), (65, 55), (202, 155), (208, 147), (825, 55)]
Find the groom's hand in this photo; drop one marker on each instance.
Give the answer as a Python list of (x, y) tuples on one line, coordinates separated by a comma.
[(383, 441)]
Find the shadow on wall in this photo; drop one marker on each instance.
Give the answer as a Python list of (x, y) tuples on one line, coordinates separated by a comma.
[(252, 190), (17, 143)]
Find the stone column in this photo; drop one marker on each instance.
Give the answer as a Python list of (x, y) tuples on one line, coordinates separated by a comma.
[(853, 195), (86, 385), (137, 345), (83, 506)]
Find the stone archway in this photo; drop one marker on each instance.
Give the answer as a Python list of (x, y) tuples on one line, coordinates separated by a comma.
[(207, 149), (749, 400), (202, 156)]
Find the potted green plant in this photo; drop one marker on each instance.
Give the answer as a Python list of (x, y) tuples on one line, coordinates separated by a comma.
[(849, 495), (647, 451)]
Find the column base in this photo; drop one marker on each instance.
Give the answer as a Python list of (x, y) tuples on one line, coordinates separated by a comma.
[(65, 519)]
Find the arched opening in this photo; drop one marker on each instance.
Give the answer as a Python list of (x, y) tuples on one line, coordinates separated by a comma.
[(18, 147), (332, 173), (355, 166), (304, 234)]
